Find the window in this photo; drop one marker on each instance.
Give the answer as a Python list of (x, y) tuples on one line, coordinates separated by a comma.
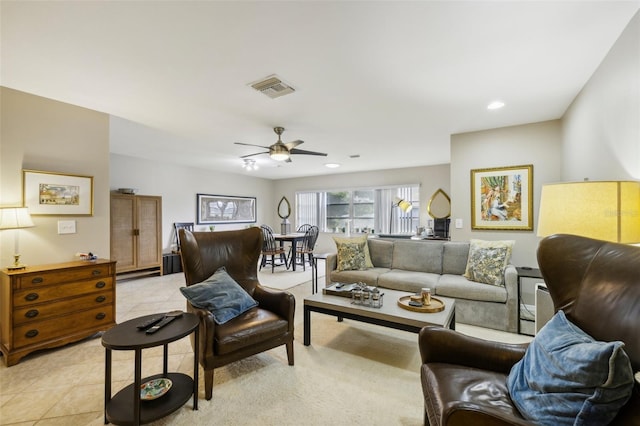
[(362, 210)]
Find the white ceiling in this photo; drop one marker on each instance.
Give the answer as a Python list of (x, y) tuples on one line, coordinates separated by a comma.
[(389, 81)]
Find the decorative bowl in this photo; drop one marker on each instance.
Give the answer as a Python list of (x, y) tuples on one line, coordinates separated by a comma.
[(155, 388), (128, 190)]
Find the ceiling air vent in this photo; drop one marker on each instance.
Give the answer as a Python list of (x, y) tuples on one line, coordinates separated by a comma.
[(273, 87)]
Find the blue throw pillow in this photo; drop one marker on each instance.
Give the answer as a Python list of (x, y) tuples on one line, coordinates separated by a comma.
[(568, 378), (221, 295)]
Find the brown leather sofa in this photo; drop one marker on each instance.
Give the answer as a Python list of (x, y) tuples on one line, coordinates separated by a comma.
[(264, 327), (596, 284)]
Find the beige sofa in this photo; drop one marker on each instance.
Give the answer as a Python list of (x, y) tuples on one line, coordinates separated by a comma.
[(409, 265)]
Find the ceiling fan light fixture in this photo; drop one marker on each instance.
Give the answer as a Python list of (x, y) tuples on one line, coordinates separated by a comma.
[(279, 153), (249, 165)]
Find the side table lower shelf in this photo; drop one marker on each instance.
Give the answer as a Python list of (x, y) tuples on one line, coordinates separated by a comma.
[(126, 406), (119, 409)]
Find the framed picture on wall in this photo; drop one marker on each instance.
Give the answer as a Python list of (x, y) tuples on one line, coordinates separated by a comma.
[(502, 198), (59, 194), (225, 209)]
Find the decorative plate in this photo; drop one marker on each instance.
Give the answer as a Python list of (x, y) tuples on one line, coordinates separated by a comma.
[(154, 388)]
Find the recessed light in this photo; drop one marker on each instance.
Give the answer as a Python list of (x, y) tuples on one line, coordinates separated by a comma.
[(332, 165), (495, 105)]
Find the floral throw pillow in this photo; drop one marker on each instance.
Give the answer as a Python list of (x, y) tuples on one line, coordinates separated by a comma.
[(487, 261), (367, 255), (351, 256)]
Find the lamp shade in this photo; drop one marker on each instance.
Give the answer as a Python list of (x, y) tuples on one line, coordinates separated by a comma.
[(606, 210), (15, 218), (403, 205)]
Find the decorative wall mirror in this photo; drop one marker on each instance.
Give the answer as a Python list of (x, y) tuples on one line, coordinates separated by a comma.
[(284, 208), (439, 206)]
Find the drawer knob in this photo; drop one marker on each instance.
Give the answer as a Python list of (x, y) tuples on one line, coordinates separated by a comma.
[(100, 299), (96, 272), (101, 284), (32, 313), (37, 280), (31, 333), (101, 316), (31, 297)]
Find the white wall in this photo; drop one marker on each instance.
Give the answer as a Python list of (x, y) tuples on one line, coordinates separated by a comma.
[(179, 185), (430, 178), (43, 134), (538, 144), (601, 129)]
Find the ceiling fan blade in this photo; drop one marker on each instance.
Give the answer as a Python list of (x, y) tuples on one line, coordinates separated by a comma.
[(250, 144), (293, 144), (302, 151), (257, 153)]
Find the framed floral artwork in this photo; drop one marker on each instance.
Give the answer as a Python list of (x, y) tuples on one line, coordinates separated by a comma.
[(502, 198)]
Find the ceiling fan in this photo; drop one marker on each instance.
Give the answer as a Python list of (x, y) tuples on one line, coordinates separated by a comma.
[(280, 151)]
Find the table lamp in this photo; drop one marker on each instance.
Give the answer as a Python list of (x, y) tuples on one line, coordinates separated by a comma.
[(403, 205), (15, 218), (604, 210)]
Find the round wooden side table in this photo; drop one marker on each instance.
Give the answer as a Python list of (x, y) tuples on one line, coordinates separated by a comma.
[(125, 407)]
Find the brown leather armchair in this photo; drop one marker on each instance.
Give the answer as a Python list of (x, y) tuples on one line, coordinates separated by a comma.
[(596, 284), (264, 327)]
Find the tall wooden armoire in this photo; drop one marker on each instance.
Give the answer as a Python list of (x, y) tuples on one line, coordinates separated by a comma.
[(136, 233)]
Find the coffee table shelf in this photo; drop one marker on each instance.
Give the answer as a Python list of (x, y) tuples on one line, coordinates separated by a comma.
[(389, 315)]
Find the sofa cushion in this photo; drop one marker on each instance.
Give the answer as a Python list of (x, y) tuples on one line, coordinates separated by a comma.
[(351, 256), (381, 252), (461, 288), (368, 276), (419, 256), (488, 260), (411, 281), (221, 295), (359, 239), (454, 257), (568, 378)]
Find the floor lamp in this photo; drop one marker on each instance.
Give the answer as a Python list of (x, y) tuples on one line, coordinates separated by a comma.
[(604, 210), (15, 218), (403, 205)]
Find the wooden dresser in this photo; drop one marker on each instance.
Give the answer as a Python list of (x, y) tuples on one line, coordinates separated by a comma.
[(50, 305)]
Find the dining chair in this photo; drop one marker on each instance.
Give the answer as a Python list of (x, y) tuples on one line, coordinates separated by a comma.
[(305, 249), (271, 248)]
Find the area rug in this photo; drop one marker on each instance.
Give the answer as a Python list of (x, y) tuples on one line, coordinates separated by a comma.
[(282, 278), (352, 374)]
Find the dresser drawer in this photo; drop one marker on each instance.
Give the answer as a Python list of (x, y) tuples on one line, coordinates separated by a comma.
[(32, 296), (53, 328), (38, 312), (39, 279)]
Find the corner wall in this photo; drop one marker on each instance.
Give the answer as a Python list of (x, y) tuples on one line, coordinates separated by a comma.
[(42, 134), (601, 128)]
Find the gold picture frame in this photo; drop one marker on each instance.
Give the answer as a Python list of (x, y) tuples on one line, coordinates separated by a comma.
[(57, 194), (502, 198)]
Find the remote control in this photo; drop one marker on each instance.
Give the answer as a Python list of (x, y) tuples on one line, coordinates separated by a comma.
[(158, 326), (151, 321)]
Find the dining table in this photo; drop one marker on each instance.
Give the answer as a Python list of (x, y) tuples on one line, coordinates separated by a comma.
[(293, 238)]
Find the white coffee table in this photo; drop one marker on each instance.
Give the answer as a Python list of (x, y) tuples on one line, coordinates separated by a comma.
[(389, 315)]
